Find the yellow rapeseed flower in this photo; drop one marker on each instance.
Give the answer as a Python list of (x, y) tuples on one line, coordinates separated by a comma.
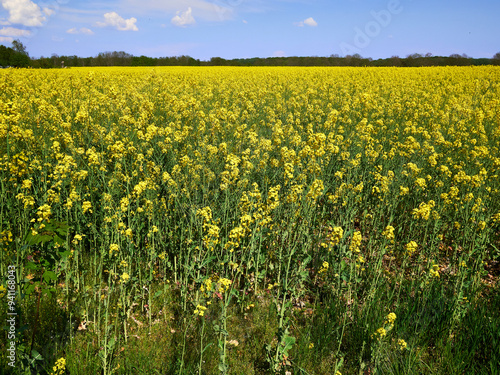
[(388, 233), (411, 247), (402, 344)]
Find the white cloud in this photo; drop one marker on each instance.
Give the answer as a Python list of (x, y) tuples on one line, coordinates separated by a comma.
[(309, 22), (245, 22), (213, 11), (182, 19), (86, 31), (114, 20), (48, 12), (6, 39), (279, 54), (26, 12), (82, 30), (11, 31)]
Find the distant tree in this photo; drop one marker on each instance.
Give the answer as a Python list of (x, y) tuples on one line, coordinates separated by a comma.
[(5, 54), (55, 60), (395, 61), (143, 61), (43, 62), (217, 61), (496, 56), (19, 58), (19, 47)]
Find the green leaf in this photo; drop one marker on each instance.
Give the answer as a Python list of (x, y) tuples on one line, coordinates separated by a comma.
[(23, 328), (206, 347), (65, 254), (61, 227), (222, 368), (158, 293), (33, 240), (306, 261), (30, 289), (58, 240), (49, 276), (288, 342), (111, 343), (31, 266), (44, 238), (37, 356), (224, 332)]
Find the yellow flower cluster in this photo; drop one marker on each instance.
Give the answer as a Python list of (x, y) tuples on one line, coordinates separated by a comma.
[(5, 239), (388, 325), (324, 268), (402, 344), (113, 248), (59, 367), (380, 333), (200, 310), (424, 210), (388, 232), (411, 247), (333, 237), (125, 277), (356, 242), (86, 206), (390, 319), (207, 286), (224, 284), (211, 238), (434, 271)]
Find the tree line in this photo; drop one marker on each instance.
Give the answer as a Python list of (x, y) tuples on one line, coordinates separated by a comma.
[(17, 56), (124, 59)]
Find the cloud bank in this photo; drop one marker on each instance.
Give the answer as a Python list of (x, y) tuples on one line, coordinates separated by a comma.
[(114, 20)]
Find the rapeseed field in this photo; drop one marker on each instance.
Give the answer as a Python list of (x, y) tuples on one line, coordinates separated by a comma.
[(251, 220)]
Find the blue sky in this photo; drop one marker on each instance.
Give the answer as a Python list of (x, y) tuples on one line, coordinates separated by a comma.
[(253, 28)]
